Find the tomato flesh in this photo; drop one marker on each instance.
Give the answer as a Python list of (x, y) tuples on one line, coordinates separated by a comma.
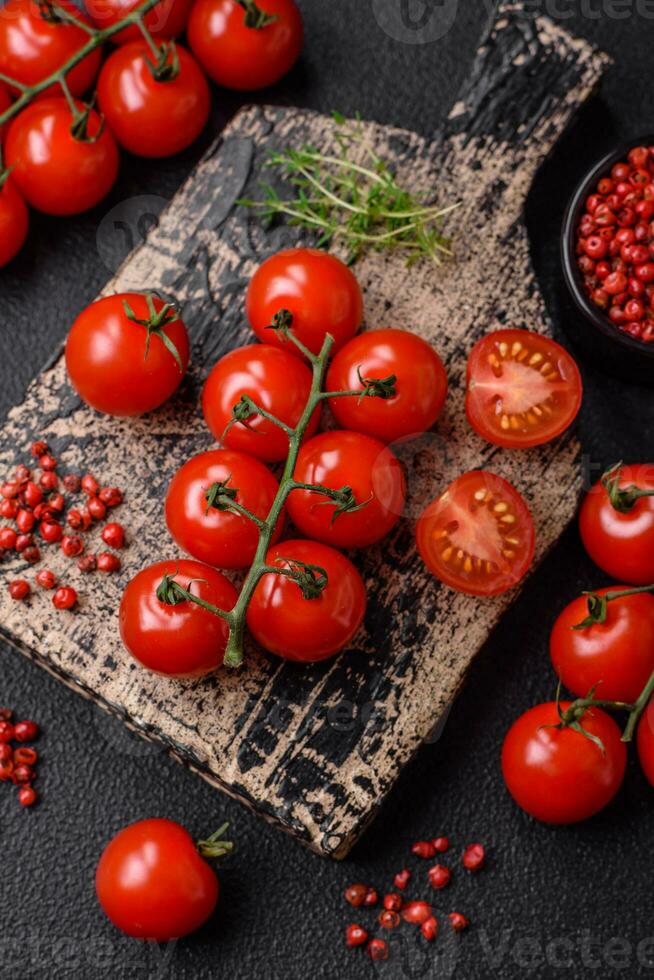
[(523, 389), (478, 536)]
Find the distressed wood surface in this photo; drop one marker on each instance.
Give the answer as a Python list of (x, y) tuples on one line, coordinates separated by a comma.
[(316, 748)]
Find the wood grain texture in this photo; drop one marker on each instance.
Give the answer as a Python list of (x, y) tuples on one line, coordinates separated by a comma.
[(317, 748)]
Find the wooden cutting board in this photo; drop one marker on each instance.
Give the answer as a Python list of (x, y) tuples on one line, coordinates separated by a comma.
[(317, 748)]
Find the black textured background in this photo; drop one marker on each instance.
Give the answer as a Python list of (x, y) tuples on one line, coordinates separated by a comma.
[(281, 914)]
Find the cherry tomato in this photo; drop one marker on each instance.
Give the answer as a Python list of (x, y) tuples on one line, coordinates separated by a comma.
[(14, 221), (318, 290), (148, 117), (420, 385), (165, 21), (277, 381), (560, 776), (32, 46), (152, 882), (523, 389), (109, 363), (338, 459), (621, 542), (240, 56), (55, 172), (478, 536), (616, 657), (182, 640), (645, 742), (220, 537), (286, 623)]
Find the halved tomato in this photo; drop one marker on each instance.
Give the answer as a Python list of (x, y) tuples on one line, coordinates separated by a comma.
[(523, 389), (478, 536)]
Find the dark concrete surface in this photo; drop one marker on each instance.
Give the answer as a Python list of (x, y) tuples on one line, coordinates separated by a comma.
[(574, 902)]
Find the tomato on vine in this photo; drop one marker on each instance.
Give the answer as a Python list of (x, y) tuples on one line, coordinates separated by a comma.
[(478, 536), (523, 389), (415, 375), (246, 44), (645, 742), (5, 102), (153, 883), (14, 220), (126, 354), (198, 501), (307, 291), (35, 41), (276, 381), (561, 775), (617, 523), (369, 489), (166, 20), (614, 654), (300, 616), (155, 107), (179, 639), (61, 164)]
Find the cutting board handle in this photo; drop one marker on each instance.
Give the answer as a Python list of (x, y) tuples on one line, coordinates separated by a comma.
[(527, 80)]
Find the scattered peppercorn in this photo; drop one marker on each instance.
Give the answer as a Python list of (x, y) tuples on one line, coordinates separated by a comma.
[(439, 876), (87, 563), (108, 562), (26, 731), (458, 921), (424, 849), (46, 579), (113, 535), (388, 919), (64, 598), (392, 902), (474, 857), (429, 928), (401, 879), (377, 949), (355, 935), (355, 895), (72, 545), (89, 485), (19, 589), (26, 796), (416, 912)]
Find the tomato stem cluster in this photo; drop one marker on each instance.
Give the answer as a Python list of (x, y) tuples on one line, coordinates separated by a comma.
[(97, 38), (311, 579)]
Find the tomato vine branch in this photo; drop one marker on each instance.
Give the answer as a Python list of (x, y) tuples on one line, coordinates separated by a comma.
[(97, 38), (311, 579)]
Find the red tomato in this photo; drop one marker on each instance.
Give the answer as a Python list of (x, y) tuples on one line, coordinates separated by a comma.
[(5, 102), (14, 221), (621, 542), (645, 742), (182, 640), (220, 537), (240, 56), (523, 389), (166, 20), (277, 381), (33, 47), (318, 290), (558, 775), (148, 117), (284, 622), (337, 459), (110, 364), (152, 883), (616, 656), (478, 536), (420, 386), (55, 172)]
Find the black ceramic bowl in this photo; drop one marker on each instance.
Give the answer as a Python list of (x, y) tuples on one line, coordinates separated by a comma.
[(619, 352)]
